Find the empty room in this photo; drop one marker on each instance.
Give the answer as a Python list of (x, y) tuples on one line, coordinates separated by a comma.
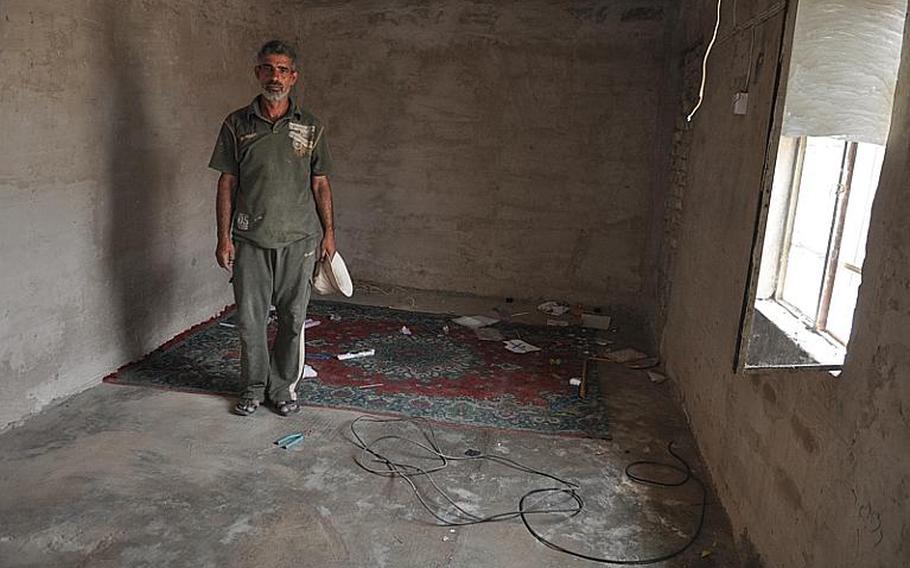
[(455, 283)]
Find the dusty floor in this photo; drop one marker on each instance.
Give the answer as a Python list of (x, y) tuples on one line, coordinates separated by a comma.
[(125, 476)]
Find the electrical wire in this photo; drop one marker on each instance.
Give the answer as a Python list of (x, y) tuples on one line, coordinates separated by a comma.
[(749, 61), (375, 289), (752, 22), (687, 476), (456, 515), (406, 471), (704, 65)]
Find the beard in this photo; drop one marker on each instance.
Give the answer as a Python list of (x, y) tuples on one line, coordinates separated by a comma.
[(275, 96)]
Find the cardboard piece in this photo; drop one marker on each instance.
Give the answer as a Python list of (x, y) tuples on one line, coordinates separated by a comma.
[(554, 309), (520, 346), (624, 355), (595, 321), (474, 322)]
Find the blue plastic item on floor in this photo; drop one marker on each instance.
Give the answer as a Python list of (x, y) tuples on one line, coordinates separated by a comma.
[(289, 441)]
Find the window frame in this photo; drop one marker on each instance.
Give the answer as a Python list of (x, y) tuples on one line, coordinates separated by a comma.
[(819, 320), (840, 215), (772, 144)]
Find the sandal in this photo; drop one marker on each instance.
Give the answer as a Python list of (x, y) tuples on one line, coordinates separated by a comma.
[(287, 407), (246, 406)]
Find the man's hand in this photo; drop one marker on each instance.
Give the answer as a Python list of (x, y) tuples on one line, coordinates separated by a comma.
[(327, 248), (224, 254)]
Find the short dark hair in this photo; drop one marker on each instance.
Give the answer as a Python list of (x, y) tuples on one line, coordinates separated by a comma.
[(277, 47)]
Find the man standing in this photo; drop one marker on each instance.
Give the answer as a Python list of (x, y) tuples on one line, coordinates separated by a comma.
[(274, 216)]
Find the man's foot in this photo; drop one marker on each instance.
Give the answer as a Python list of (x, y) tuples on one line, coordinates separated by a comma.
[(246, 406), (287, 407)]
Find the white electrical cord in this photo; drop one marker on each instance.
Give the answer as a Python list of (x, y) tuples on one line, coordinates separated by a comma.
[(704, 65)]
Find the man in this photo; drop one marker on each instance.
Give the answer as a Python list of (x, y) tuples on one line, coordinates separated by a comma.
[(274, 217)]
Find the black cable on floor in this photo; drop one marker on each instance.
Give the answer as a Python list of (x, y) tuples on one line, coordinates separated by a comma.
[(568, 489), (687, 476)]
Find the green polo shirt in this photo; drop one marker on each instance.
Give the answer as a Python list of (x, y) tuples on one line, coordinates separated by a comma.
[(274, 164)]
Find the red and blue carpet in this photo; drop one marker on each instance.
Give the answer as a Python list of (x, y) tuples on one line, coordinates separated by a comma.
[(450, 376)]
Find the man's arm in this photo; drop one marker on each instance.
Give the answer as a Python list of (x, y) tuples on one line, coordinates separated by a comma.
[(322, 191), (224, 253)]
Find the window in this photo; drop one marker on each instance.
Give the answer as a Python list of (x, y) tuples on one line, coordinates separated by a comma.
[(815, 263), (831, 122)]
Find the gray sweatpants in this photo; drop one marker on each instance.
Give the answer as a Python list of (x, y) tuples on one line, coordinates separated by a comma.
[(280, 277)]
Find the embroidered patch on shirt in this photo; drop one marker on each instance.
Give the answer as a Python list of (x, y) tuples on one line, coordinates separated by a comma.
[(303, 137), (243, 222), (249, 136)]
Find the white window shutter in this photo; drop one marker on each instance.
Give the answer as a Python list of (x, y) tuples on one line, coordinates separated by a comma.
[(843, 69)]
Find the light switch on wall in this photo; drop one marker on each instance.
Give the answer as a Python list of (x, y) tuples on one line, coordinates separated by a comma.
[(740, 103)]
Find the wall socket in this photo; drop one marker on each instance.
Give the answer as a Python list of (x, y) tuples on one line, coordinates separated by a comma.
[(740, 103)]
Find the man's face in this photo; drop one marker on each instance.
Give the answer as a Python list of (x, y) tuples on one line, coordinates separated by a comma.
[(276, 75)]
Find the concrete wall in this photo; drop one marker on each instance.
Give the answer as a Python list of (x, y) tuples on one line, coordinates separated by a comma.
[(486, 147), (814, 471), (500, 148), (109, 113)]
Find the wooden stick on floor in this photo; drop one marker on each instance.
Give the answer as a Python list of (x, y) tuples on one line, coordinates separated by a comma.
[(583, 387)]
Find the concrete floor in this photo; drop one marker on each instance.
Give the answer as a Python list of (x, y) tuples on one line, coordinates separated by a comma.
[(127, 476)]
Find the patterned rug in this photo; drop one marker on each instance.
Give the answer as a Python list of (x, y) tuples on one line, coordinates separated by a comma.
[(440, 371)]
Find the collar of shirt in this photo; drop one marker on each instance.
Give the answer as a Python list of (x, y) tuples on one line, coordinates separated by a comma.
[(254, 110)]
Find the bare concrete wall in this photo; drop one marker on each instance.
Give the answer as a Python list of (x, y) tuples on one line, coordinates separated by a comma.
[(501, 148), (109, 113), (487, 147), (813, 470)]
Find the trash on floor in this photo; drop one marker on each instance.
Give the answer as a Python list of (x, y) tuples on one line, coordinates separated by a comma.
[(520, 346), (557, 323), (357, 354), (555, 361), (308, 323), (405, 330), (575, 381), (371, 386), (553, 308), (624, 355), (289, 441), (474, 322), (656, 377), (226, 324), (309, 372), (594, 321), (445, 329), (334, 317), (646, 363), (502, 313), (488, 334)]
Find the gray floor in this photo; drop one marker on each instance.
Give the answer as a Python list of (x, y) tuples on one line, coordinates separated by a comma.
[(127, 476)]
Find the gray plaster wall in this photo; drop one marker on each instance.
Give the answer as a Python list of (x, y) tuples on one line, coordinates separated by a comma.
[(501, 148), (813, 470), (109, 113), (498, 148)]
